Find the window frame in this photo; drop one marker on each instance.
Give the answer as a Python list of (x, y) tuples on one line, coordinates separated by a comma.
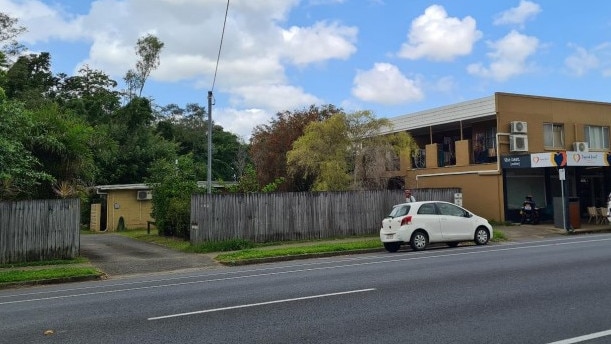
[(603, 136), (549, 127)]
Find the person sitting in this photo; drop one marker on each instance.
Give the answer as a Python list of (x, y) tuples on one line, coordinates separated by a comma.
[(408, 196)]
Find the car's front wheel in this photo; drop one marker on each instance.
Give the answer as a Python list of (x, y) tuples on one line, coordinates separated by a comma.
[(482, 236), (392, 246), (419, 241)]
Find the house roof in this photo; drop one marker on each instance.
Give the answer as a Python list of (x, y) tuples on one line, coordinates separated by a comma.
[(472, 110), (142, 186)]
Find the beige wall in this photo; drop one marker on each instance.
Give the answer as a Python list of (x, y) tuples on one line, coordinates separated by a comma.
[(536, 111), (482, 187), (123, 203)]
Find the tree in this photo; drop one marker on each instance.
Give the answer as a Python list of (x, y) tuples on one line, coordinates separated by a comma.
[(8, 31), (321, 153), (270, 144), (20, 171), (148, 49), (173, 183), (90, 94), (189, 129), (30, 79), (346, 152)]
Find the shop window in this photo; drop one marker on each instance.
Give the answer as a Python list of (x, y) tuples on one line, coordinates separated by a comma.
[(553, 135), (597, 137)]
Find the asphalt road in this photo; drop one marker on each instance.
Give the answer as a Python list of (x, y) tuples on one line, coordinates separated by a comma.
[(530, 292)]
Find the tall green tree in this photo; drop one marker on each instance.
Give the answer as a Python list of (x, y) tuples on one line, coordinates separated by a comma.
[(91, 94), (135, 145), (189, 129), (346, 152), (148, 49), (21, 172), (9, 30), (30, 79), (270, 144)]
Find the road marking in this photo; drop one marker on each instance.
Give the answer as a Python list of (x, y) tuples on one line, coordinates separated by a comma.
[(584, 338), (296, 269), (261, 304)]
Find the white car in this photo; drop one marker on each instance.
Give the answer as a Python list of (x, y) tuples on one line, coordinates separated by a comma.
[(422, 223), (608, 214)]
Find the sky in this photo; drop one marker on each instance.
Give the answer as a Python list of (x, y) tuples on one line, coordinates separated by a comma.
[(391, 57)]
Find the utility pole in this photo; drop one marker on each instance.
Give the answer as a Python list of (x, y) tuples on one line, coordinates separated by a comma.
[(209, 142)]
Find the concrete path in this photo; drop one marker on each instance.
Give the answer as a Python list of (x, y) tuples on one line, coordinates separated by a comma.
[(117, 255)]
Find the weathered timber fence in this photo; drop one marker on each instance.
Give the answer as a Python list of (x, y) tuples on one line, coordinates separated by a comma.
[(39, 230), (264, 217), (435, 194)]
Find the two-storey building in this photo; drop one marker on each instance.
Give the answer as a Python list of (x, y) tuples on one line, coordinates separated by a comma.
[(501, 148)]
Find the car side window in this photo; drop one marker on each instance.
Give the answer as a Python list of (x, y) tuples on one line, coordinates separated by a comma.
[(427, 209), (450, 210)]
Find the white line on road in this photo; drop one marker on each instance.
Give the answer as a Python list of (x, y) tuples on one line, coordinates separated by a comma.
[(260, 304), (584, 338)]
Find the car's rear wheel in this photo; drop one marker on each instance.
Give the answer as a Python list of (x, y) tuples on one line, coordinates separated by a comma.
[(392, 246), (453, 244), (482, 236), (419, 241)]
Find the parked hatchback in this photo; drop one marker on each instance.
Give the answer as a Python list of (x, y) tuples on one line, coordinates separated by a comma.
[(422, 223)]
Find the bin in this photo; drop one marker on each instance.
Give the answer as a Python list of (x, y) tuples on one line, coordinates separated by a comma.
[(574, 213)]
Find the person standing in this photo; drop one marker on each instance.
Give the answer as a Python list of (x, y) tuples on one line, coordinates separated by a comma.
[(408, 196)]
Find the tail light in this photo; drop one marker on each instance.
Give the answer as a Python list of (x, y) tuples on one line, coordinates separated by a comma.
[(406, 220)]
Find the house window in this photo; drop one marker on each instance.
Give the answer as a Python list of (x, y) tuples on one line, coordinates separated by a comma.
[(553, 135), (597, 137)]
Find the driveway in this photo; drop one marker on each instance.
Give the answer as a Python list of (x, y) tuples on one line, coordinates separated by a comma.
[(119, 255)]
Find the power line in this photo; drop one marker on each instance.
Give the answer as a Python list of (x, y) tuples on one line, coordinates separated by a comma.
[(220, 46)]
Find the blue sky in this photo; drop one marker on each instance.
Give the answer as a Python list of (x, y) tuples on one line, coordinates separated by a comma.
[(390, 57)]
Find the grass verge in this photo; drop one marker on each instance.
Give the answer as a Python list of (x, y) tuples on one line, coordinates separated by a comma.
[(260, 253), (49, 274)]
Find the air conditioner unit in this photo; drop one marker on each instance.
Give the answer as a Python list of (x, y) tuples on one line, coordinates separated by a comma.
[(519, 127), (518, 143), (581, 147), (144, 195)]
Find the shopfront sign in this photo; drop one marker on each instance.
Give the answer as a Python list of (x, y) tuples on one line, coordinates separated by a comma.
[(516, 161), (557, 159)]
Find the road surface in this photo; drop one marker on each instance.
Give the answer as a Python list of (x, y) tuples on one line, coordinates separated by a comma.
[(548, 291)]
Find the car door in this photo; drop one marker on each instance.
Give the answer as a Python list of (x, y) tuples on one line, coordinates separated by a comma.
[(428, 219), (455, 223)]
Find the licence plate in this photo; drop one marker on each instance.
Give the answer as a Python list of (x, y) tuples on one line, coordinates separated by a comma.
[(390, 236)]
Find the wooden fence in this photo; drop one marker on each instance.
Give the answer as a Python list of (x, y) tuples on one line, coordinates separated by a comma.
[(39, 230), (262, 217)]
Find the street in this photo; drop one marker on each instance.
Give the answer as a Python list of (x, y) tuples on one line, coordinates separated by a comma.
[(531, 292)]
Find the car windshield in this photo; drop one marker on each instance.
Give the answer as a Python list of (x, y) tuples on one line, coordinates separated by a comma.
[(399, 210)]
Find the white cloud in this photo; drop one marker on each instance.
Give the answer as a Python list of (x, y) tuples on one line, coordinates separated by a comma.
[(509, 57), (320, 42), (275, 97), (385, 84), (581, 61), (438, 37), (240, 122), (518, 15)]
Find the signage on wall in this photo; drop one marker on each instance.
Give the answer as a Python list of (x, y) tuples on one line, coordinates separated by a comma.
[(552, 159), (516, 161), (557, 159)]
